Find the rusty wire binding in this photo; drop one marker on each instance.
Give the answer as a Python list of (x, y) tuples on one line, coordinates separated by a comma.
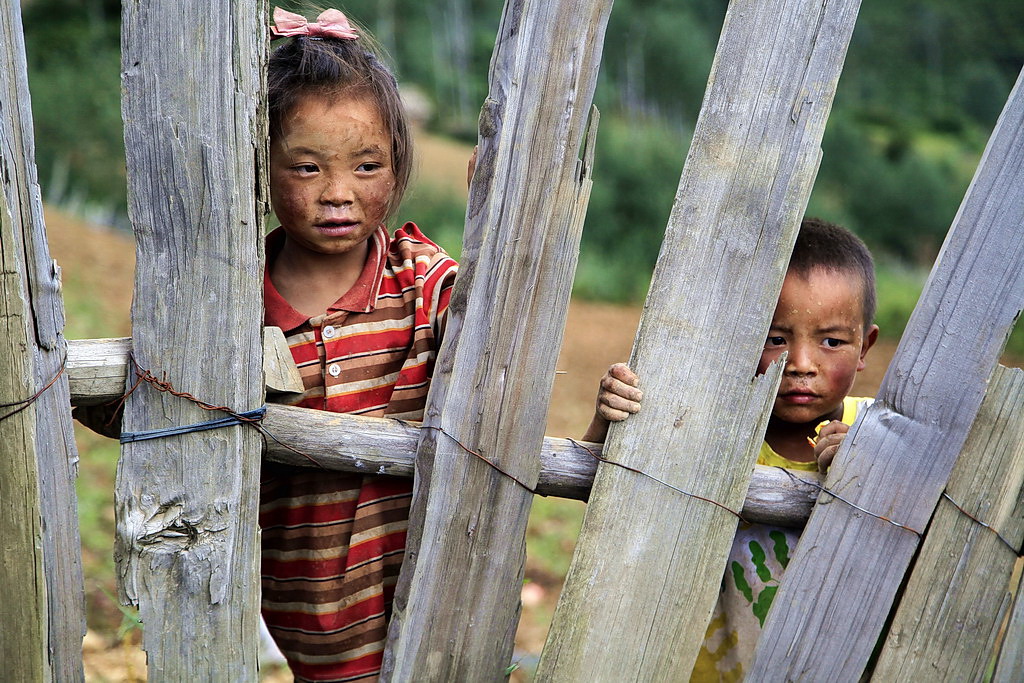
[(26, 402), (835, 495), (253, 418), (605, 460)]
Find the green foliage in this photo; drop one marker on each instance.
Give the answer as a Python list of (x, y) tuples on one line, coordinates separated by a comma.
[(899, 288), (1015, 344), (923, 83), (441, 217), (74, 80), (555, 525), (898, 190), (636, 171), (657, 58)]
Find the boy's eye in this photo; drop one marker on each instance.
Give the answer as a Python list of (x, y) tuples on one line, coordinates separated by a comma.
[(368, 166), (306, 168), (833, 343), (775, 341)]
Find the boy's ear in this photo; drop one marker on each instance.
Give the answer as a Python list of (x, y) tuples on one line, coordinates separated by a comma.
[(870, 337)]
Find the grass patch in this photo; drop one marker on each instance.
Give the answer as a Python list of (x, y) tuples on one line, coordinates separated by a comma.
[(551, 537)]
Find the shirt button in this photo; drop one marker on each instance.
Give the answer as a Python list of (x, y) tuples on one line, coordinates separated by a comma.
[(334, 370), (328, 331)]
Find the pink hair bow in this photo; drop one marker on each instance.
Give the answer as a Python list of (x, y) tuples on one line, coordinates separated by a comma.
[(331, 24)]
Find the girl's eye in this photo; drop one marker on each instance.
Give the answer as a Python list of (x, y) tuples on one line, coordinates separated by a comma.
[(368, 167), (775, 341), (306, 168), (833, 343)]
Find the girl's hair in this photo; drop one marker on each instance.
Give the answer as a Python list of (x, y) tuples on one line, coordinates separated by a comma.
[(333, 69)]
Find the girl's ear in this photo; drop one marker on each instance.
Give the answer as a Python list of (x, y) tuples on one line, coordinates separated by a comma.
[(870, 337)]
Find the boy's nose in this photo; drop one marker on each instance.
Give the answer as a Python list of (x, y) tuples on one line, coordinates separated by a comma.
[(800, 360)]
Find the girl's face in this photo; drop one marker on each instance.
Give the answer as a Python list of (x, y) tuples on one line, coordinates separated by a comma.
[(331, 174)]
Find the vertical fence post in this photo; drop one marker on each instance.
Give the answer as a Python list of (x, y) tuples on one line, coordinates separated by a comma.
[(187, 537), (649, 561), (953, 605), (457, 605), (41, 594), (848, 566)]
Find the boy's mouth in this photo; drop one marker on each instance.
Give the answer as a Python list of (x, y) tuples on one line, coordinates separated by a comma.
[(799, 396)]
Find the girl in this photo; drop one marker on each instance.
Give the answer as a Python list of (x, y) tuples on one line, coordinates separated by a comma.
[(363, 313)]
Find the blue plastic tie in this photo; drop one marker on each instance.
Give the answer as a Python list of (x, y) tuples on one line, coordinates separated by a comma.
[(230, 420)]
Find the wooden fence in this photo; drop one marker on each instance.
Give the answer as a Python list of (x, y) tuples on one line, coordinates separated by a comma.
[(935, 467)]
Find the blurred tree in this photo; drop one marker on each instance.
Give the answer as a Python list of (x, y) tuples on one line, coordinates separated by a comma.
[(923, 85), (73, 55)]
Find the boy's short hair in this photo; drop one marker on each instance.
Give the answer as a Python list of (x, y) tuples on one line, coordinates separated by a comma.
[(821, 244)]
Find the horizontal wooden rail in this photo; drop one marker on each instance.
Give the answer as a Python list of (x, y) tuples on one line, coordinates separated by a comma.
[(98, 368)]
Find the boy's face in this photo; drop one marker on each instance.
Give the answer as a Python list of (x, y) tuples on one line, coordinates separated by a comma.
[(819, 320), (331, 176)]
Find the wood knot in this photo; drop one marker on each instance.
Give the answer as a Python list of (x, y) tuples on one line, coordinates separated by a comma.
[(490, 116)]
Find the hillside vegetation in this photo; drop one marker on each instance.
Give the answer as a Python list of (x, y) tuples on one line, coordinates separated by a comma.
[(923, 84)]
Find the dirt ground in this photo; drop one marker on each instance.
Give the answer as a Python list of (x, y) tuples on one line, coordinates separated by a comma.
[(597, 335)]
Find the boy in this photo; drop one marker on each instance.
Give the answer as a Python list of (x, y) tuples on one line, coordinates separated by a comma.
[(823, 320)]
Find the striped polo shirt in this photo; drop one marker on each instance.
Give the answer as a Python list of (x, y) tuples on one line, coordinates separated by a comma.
[(333, 542)]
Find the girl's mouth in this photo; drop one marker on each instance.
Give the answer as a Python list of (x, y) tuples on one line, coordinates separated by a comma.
[(336, 228)]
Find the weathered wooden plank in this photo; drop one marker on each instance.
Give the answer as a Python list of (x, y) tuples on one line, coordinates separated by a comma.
[(98, 368), (374, 445), (741, 196), (186, 545), (1010, 664), (953, 606), (848, 566), (381, 446), (42, 604), (464, 563), (23, 604)]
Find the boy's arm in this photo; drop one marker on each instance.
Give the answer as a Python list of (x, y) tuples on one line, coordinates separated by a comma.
[(617, 398)]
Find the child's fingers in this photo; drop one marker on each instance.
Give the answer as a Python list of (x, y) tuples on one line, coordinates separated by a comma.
[(828, 454), (834, 427), (830, 438), (621, 372), (618, 403), (611, 386), (612, 414)]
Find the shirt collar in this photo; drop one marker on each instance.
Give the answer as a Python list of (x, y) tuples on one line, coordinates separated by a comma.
[(361, 298)]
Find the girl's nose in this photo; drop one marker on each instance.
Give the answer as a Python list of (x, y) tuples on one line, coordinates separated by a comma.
[(336, 192)]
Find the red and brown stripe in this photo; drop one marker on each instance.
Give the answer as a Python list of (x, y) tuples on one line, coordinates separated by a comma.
[(333, 542)]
